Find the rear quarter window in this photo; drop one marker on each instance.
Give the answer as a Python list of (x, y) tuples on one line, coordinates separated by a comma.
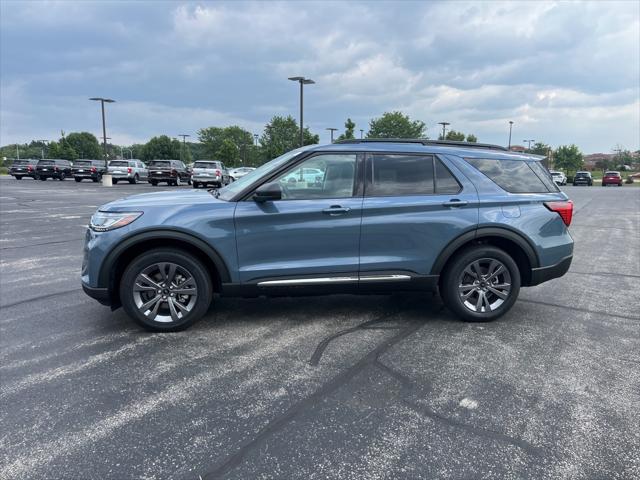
[(515, 176)]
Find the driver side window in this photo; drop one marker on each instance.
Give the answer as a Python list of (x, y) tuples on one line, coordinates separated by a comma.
[(321, 176)]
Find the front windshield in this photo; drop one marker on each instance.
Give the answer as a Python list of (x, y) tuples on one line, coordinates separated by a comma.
[(232, 189)]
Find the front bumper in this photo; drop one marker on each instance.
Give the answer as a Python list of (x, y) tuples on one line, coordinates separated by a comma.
[(543, 274)]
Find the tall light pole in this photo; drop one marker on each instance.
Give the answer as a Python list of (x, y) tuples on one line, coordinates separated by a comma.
[(529, 142), (361, 134), (510, 128), (44, 142), (104, 126), (331, 130), (255, 139), (444, 128), (303, 81), (184, 144)]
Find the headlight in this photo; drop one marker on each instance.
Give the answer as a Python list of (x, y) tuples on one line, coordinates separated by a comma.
[(104, 221)]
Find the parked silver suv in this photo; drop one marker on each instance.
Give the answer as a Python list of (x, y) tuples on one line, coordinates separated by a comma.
[(131, 170), (210, 172)]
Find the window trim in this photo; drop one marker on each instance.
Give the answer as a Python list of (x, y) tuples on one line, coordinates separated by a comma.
[(368, 179)]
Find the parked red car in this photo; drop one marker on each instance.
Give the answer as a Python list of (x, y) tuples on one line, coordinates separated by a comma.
[(612, 178)]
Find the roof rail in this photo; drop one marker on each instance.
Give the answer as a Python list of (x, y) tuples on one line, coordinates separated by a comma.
[(426, 141)]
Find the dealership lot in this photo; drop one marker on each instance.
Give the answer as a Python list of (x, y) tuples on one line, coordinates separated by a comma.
[(317, 387)]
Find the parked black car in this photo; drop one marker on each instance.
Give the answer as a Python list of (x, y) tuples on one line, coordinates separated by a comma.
[(23, 168), (57, 169), (88, 170), (174, 172), (582, 178)]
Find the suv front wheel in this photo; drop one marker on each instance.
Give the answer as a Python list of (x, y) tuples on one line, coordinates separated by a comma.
[(482, 284), (166, 290)]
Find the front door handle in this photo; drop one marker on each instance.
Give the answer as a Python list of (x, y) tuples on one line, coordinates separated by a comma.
[(336, 210), (455, 203)]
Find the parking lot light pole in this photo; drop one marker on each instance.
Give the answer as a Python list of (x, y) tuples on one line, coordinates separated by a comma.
[(361, 134), (44, 142), (106, 178), (331, 130), (444, 128), (303, 81), (510, 128), (184, 144), (529, 143)]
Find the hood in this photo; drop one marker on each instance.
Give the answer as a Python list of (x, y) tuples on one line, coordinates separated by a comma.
[(161, 200)]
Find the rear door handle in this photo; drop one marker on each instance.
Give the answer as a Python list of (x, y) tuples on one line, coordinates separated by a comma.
[(336, 210), (455, 203)]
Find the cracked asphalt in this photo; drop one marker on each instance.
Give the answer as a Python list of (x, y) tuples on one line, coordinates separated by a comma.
[(370, 387)]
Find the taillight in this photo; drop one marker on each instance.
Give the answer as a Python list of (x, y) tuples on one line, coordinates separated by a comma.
[(218, 173), (129, 170), (564, 209), (94, 169), (29, 168), (173, 173), (56, 169)]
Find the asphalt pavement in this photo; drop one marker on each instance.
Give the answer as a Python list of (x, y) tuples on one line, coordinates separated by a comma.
[(357, 387)]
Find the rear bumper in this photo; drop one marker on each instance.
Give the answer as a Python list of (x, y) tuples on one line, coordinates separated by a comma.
[(206, 179), (100, 294), (543, 274)]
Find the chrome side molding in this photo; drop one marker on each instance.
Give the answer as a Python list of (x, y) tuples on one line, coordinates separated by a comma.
[(332, 280)]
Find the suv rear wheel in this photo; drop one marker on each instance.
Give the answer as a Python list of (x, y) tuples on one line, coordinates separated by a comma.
[(166, 290), (482, 284)]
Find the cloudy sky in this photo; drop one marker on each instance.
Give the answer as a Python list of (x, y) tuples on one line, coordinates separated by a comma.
[(563, 72)]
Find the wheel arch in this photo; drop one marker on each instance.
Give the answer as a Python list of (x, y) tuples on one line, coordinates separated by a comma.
[(120, 256), (517, 246)]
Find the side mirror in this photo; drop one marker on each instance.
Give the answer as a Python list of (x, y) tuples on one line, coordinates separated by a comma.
[(268, 192)]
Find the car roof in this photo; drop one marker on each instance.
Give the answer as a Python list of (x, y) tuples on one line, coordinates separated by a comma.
[(423, 146)]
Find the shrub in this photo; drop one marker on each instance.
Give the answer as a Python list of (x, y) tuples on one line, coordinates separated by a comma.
[(570, 179), (629, 179)]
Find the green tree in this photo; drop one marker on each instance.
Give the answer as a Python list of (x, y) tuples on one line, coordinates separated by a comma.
[(213, 138), (161, 148), (396, 125), (228, 152), (349, 128), (281, 135), (568, 158), (540, 148), (471, 138), (453, 135), (85, 144)]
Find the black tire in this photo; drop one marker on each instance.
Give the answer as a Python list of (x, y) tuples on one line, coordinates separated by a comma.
[(77, 179), (18, 177), (449, 287), (196, 184), (184, 260), (134, 180), (95, 179), (44, 179), (189, 182), (153, 183), (62, 176), (114, 181)]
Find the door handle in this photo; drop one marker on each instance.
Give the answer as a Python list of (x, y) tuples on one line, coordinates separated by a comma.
[(455, 203), (336, 210)]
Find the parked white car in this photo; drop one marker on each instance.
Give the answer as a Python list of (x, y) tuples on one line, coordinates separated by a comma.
[(558, 177), (236, 173), (132, 171)]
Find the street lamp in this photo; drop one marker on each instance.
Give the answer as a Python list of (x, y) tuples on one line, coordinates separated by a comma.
[(44, 142), (255, 138), (529, 142), (361, 134), (303, 81), (444, 127), (104, 127), (184, 144), (331, 130), (510, 127)]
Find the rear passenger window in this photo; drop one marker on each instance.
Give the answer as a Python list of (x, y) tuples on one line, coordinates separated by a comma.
[(445, 181), (544, 175), (514, 176), (391, 175)]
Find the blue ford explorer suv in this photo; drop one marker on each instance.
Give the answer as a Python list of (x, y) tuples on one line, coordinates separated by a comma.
[(474, 221)]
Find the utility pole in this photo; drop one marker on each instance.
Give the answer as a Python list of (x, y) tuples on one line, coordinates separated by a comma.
[(44, 142), (17, 152), (303, 81), (184, 145), (510, 128), (331, 130), (444, 128), (255, 139), (361, 134)]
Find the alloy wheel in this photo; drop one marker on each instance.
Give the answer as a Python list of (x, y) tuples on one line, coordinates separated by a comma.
[(165, 292), (484, 285)]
